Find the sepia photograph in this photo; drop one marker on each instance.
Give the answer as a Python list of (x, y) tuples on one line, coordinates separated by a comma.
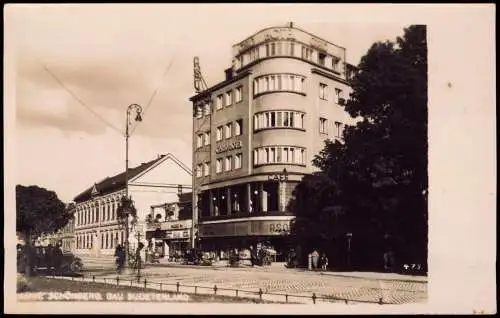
[(231, 154)]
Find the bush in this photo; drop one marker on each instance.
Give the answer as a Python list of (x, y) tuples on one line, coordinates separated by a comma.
[(22, 284)]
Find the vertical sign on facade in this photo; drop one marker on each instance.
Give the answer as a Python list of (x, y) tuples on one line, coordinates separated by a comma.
[(197, 74)]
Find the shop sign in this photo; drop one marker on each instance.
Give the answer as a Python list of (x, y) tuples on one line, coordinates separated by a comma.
[(246, 228), (171, 225), (228, 146)]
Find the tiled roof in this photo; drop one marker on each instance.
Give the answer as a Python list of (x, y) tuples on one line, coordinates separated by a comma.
[(117, 182)]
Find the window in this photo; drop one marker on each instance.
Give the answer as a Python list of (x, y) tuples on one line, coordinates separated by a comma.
[(292, 49), (206, 168), (279, 155), (229, 98), (206, 138), (199, 111), (238, 127), (219, 101), (228, 130), (199, 170), (278, 82), (307, 53), (219, 133), (338, 95), (218, 165), (227, 163), (207, 108), (339, 129), (237, 161), (335, 63), (239, 94), (289, 119), (199, 140), (323, 127), (321, 58), (322, 91)]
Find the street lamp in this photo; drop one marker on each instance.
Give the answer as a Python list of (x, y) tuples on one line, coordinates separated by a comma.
[(138, 118)]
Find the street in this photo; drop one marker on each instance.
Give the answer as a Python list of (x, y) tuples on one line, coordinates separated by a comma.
[(355, 286)]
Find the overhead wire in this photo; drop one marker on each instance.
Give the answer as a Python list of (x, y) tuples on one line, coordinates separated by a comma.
[(155, 92), (79, 100)]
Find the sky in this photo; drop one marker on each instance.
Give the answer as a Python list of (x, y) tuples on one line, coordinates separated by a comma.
[(110, 56)]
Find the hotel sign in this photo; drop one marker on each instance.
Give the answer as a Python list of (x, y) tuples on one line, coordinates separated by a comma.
[(246, 228), (223, 147)]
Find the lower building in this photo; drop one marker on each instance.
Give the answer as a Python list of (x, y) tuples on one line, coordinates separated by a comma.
[(169, 227), (97, 228)]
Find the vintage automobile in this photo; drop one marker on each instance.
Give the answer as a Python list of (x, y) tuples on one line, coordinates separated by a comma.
[(197, 257), (43, 262)]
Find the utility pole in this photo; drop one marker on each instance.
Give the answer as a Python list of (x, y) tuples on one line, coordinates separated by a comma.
[(127, 200)]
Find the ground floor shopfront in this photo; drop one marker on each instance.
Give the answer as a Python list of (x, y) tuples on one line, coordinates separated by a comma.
[(260, 231), (268, 195), (171, 238)]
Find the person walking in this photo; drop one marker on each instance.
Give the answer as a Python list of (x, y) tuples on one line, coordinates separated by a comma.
[(252, 256), (315, 259), (324, 262), (120, 258)]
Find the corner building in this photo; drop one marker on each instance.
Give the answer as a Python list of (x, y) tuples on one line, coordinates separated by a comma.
[(256, 133)]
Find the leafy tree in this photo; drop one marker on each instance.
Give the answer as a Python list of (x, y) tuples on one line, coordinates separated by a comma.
[(39, 211), (380, 171)]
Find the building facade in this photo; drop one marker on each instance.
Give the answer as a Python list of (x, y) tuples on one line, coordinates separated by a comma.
[(169, 226), (97, 230), (65, 236), (256, 133)]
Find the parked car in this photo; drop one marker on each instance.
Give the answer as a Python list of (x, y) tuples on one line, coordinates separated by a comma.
[(197, 257), (42, 261)]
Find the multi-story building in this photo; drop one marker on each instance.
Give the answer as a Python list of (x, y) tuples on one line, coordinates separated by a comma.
[(256, 133), (97, 230), (170, 225)]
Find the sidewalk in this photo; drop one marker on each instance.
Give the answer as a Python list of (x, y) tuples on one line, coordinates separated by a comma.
[(277, 267), (280, 267), (379, 276)]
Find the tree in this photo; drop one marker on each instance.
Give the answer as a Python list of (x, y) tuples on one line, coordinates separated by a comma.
[(380, 171), (39, 211)]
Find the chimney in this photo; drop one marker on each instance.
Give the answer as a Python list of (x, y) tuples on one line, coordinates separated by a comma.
[(290, 24), (229, 73)]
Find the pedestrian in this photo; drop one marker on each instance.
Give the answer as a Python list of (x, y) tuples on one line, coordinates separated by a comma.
[(138, 255), (120, 258), (252, 256), (315, 259), (324, 262)]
